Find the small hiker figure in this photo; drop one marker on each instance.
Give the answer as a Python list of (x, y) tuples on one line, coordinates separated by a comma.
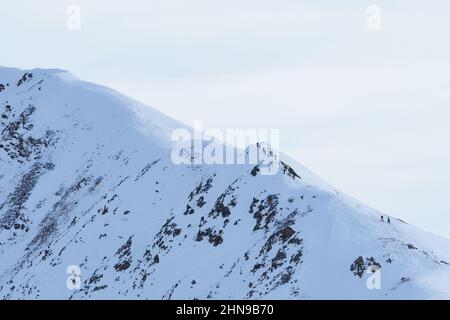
[(389, 220), (382, 219)]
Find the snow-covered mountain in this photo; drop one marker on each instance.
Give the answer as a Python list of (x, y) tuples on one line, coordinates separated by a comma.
[(87, 181)]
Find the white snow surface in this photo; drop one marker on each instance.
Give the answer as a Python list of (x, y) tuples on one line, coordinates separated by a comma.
[(86, 179)]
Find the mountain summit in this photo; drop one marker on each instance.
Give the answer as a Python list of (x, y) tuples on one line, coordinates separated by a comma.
[(91, 206)]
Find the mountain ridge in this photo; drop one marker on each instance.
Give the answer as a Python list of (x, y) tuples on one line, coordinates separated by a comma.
[(86, 180)]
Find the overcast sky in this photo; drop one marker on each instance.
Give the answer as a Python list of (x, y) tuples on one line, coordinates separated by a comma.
[(367, 110)]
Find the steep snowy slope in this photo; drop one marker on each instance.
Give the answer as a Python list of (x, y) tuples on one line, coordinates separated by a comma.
[(86, 180)]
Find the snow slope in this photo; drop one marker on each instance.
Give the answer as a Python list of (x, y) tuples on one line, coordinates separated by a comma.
[(86, 179)]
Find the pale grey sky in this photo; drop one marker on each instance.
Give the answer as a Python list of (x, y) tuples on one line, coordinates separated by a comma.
[(366, 110)]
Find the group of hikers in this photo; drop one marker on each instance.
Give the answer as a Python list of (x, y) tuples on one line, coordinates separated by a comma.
[(388, 219)]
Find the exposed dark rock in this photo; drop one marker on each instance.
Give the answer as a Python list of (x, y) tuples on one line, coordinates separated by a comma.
[(203, 187), (189, 210), (266, 211), (255, 170), (286, 169), (213, 237), (201, 202), (146, 169), (359, 266), (26, 77)]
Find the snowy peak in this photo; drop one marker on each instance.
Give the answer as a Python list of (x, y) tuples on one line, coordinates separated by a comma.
[(92, 206)]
